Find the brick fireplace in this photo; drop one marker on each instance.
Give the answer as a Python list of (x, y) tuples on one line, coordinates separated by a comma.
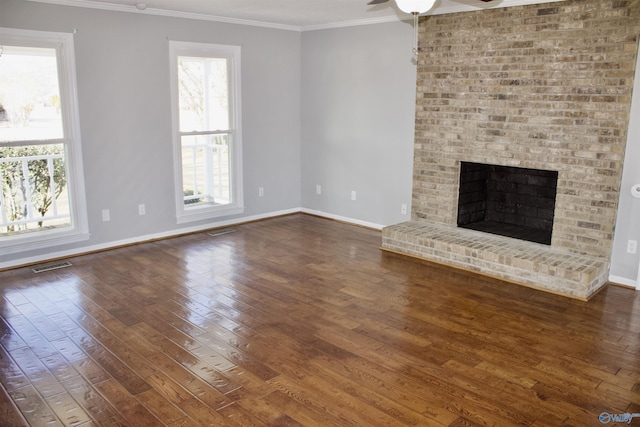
[(538, 87)]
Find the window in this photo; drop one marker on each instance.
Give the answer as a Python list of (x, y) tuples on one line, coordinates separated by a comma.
[(207, 137), (42, 195)]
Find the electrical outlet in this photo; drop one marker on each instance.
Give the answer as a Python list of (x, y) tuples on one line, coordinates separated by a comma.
[(403, 209), (632, 246), (261, 192), (353, 195), (318, 189), (106, 215), (142, 210)]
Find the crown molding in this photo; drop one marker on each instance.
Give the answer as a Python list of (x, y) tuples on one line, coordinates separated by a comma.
[(168, 13), (439, 9), (452, 7), (353, 23)]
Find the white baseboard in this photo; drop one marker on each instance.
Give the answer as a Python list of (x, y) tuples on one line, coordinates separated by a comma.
[(140, 239), (173, 233), (342, 219), (624, 281)]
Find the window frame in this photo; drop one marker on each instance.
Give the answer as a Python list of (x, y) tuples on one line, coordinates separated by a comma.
[(63, 43), (233, 55)]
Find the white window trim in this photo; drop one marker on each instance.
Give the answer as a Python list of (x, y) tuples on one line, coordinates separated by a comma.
[(79, 230), (233, 53)]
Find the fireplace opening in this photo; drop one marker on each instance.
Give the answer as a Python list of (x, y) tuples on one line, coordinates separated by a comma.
[(508, 201)]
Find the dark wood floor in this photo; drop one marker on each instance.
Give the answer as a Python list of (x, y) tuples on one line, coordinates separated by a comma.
[(304, 321)]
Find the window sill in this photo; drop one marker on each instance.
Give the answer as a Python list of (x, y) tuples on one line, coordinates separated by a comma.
[(198, 214), (30, 243)]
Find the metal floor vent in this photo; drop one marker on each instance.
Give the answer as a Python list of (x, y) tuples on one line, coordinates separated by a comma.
[(221, 232), (49, 267)]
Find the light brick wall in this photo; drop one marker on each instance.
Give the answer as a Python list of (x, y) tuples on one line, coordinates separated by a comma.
[(543, 86)]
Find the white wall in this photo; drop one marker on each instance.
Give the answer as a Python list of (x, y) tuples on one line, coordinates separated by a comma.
[(624, 266), (358, 103), (122, 64)]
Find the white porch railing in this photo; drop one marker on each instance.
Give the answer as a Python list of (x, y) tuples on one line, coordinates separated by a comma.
[(21, 202), (205, 168)]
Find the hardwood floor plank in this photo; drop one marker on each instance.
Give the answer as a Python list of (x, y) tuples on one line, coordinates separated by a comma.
[(315, 393), (384, 402), (185, 422), (188, 360), (7, 309), (128, 405), (9, 339), (238, 357), (155, 403), (34, 408), (80, 361), (9, 413), (99, 353), (67, 409), (261, 408), (11, 376), (171, 391), (235, 415), (196, 386), (38, 375), (283, 421), (40, 321), (396, 387), (59, 367), (303, 321), (301, 407), (93, 403), (29, 334), (201, 414)]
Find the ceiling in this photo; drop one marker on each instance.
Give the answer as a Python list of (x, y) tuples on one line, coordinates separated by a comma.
[(298, 15)]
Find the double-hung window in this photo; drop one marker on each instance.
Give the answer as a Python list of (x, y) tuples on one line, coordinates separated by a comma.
[(42, 192), (207, 139)]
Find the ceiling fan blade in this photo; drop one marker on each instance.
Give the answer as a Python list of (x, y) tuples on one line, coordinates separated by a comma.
[(374, 2)]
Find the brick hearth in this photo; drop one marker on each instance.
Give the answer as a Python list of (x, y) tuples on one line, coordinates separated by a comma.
[(532, 264), (543, 86)]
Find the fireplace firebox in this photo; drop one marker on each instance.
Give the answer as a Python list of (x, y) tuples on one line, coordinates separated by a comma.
[(508, 201)]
